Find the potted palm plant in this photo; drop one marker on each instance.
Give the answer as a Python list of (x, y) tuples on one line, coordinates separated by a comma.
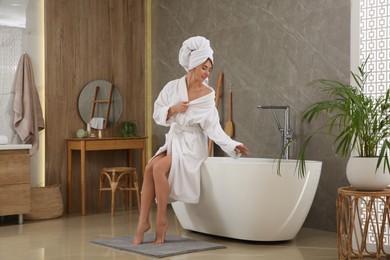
[(360, 124)]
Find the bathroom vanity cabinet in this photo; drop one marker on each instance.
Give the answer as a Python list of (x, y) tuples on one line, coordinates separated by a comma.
[(15, 180)]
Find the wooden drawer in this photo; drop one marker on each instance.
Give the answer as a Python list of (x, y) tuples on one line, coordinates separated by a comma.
[(134, 143), (14, 168), (100, 145), (14, 199)]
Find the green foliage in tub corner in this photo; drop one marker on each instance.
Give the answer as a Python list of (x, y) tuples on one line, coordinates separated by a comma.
[(301, 173), (358, 122)]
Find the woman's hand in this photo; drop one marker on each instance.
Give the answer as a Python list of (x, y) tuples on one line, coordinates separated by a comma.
[(180, 107), (242, 149)]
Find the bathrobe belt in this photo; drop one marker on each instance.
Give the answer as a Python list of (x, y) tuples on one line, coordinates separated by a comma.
[(181, 128)]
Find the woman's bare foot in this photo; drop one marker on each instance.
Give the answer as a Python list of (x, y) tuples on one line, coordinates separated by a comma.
[(161, 232), (141, 230)]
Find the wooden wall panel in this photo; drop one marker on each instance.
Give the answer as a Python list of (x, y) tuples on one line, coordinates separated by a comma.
[(87, 40)]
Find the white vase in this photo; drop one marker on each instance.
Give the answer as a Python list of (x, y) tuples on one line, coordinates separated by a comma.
[(363, 174)]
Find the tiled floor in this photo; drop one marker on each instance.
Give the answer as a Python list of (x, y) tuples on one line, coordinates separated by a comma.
[(68, 238)]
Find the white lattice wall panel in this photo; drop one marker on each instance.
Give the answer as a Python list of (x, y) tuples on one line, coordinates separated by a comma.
[(375, 42)]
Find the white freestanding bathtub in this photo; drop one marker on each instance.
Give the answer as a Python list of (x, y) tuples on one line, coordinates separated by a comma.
[(246, 199)]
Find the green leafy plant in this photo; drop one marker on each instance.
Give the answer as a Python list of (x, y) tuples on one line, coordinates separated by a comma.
[(128, 129), (357, 121)]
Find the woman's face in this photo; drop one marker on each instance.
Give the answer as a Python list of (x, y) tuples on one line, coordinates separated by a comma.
[(203, 70)]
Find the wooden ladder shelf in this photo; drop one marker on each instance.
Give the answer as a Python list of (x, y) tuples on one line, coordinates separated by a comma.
[(102, 101)]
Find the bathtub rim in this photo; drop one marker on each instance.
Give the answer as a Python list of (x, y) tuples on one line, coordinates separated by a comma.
[(263, 161), (258, 159)]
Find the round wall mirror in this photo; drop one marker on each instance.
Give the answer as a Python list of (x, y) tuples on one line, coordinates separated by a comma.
[(100, 104)]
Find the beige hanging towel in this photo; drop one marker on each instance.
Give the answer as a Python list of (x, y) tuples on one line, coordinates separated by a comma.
[(28, 118)]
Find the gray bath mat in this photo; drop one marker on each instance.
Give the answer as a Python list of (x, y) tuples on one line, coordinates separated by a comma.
[(173, 245)]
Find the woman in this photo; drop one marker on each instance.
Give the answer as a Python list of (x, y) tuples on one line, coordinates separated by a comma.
[(187, 106)]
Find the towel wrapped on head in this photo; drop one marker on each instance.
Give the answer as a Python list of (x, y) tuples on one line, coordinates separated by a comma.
[(195, 51)]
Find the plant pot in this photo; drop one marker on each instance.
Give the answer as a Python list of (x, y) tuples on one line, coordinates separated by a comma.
[(363, 174)]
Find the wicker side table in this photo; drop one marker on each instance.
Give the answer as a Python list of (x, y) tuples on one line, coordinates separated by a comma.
[(363, 223)]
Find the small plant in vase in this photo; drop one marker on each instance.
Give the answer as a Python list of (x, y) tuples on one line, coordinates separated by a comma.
[(360, 124), (128, 129)]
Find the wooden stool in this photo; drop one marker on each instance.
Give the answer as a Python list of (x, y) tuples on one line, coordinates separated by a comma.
[(120, 179)]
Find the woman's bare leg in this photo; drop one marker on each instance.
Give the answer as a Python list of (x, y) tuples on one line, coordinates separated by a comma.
[(160, 171), (147, 197)]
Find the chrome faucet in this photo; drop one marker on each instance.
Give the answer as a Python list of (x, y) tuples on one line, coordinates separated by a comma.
[(286, 132)]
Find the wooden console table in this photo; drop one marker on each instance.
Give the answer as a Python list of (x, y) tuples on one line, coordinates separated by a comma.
[(99, 144), (363, 221)]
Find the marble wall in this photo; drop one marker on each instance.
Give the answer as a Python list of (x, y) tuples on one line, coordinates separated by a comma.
[(268, 50)]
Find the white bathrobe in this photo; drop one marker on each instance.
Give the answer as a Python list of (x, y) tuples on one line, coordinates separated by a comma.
[(187, 138)]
